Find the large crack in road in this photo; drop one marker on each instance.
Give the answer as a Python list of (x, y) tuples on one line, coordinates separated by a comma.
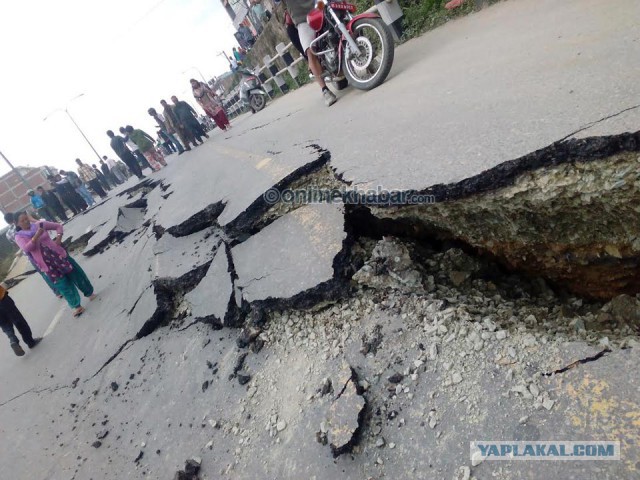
[(511, 214), (486, 243)]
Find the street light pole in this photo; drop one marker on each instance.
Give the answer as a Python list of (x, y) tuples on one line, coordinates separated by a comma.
[(82, 133), (15, 170), (225, 56), (66, 110)]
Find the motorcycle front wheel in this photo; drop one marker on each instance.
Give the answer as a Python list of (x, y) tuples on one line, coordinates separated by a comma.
[(257, 102), (369, 69)]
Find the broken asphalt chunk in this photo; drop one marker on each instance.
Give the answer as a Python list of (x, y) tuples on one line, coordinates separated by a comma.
[(345, 414), (191, 470), (247, 335), (243, 378), (293, 256)]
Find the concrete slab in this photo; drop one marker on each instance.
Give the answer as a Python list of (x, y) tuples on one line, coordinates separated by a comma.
[(212, 295), (102, 233), (218, 173), (293, 254), (98, 215), (129, 219), (175, 257)]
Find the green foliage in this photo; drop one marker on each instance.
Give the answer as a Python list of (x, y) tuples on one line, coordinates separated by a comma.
[(289, 81), (301, 79), (303, 74), (423, 15)]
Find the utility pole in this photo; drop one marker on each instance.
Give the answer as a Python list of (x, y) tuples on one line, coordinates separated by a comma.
[(82, 133), (15, 170), (225, 56)]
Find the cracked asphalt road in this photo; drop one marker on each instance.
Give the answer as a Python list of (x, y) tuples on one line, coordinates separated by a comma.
[(479, 91)]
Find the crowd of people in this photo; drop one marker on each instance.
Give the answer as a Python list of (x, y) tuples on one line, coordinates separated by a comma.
[(71, 193)]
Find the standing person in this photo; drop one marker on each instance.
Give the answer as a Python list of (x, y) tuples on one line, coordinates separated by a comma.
[(88, 176), (166, 143), (121, 168), (68, 194), (106, 184), (11, 317), (210, 103), (115, 173), (11, 220), (166, 129), (78, 200), (108, 174), (146, 144), (54, 261), (61, 192), (237, 55), (292, 33), (298, 9), (189, 118), (142, 161), (120, 147), (174, 122), (52, 200), (260, 11), (247, 35), (76, 183), (40, 206)]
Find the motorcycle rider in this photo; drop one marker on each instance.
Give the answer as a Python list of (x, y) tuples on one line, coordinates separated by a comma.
[(298, 10)]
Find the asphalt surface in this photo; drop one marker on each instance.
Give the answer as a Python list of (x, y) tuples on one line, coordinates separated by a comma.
[(479, 91), (474, 93)]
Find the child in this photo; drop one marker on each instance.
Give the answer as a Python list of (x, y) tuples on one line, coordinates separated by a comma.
[(10, 316)]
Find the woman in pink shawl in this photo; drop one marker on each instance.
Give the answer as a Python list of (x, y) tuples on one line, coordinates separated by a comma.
[(210, 103), (53, 260)]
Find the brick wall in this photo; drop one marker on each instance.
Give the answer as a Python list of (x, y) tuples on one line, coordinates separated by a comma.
[(13, 192)]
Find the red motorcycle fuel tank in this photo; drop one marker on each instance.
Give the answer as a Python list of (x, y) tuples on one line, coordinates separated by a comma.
[(315, 18)]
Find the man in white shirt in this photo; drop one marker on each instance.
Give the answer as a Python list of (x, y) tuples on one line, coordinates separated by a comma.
[(113, 170)]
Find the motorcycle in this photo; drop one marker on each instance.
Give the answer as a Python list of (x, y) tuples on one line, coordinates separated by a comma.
[(352, 49), (251, 91)]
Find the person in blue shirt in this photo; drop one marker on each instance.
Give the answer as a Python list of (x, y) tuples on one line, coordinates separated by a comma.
[(38, 204)]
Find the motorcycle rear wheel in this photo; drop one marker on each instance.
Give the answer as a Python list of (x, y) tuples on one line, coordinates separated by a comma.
[(371, 68), (257, 102)]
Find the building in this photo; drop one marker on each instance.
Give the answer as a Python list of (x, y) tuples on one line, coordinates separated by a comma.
[(13, 191), (228, 6), (240, 13)]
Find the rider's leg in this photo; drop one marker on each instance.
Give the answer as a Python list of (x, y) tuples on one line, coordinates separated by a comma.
[(307, 35), (316, 68)]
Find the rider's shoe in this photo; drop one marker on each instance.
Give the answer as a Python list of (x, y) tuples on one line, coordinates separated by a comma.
[(329, 97)]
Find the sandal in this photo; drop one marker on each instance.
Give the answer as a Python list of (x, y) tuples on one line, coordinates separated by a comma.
[(79, 311)]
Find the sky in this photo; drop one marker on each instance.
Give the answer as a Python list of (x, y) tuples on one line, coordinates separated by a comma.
[(123, 55)]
